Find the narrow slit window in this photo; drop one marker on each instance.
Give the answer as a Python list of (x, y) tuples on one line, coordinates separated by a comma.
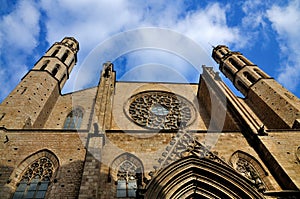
[(55, 52), (2, 116), (23, 91), (44, 65), (55, 70), (64, 57)]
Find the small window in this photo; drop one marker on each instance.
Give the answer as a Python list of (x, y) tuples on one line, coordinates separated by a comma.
[(246, 61), (2, 116), (55, 70), (64, 57), (249, 77), (260, 73), (127, 180), (74, 119), (44, 65), (23, 91), (55, 52), (234, 63), (63, 77)]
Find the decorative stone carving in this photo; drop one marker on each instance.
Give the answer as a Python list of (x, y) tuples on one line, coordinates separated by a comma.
[(247, 170), (43, 168), (182, 145), (127, 171), (160, 110)]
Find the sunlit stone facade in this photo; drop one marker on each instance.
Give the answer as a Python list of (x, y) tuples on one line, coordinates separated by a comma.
[(149, 140)]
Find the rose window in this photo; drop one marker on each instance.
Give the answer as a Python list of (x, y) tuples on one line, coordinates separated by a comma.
[(160, 110)]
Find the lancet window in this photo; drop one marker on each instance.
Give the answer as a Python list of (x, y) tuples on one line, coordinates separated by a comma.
[(127, 179), (35, 180), (74, 119)]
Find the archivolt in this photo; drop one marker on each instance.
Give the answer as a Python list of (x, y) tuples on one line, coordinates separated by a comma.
[(193, 177), (19, 171)]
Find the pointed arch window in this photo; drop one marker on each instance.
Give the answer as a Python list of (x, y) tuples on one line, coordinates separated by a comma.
[(74, 119), (127, 172), (127, 180), (250, 168), (35, 180)]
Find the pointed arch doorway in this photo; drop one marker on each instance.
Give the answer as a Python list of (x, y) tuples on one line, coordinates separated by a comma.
[(193, 177)]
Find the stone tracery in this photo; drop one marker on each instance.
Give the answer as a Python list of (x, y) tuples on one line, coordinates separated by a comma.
[(42, 167), (35, 180), (160, 110)]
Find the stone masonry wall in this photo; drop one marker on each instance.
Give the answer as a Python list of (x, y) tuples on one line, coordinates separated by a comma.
[(66, 146)]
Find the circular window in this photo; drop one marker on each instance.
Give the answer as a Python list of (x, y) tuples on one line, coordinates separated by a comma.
[(160, 110)]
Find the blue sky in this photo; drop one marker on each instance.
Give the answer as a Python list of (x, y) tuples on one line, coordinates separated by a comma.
[(267, 32)]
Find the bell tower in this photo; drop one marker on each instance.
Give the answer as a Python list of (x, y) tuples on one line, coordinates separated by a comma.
[(30, 103), (275, 106), (242, 72), (59, 60)]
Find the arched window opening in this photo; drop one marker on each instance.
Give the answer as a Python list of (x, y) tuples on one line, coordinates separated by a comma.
[(127, 179), (127, 172), (242, 85), (44, 65), (234, 63), (74, 119), (249, 77), (227, 71), (250, 168), (35, 180), (246, 61), (222, 52), (55, 52), (259, 73), (55, 70), (64, 57)]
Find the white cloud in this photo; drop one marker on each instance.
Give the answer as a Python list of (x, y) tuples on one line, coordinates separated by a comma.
[(18, 37), (209, 25), (20, 28), (285, 20), (91, 22)]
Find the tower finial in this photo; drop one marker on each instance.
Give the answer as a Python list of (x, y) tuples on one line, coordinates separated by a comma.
[(211, 45)]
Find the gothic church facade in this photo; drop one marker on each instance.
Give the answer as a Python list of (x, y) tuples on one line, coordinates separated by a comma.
[(149, 140)]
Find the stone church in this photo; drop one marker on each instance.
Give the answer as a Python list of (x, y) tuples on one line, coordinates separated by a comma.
[(149, 140)]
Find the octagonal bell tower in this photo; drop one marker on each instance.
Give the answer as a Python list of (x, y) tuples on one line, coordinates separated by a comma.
[(276, 106), (30, 103)]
